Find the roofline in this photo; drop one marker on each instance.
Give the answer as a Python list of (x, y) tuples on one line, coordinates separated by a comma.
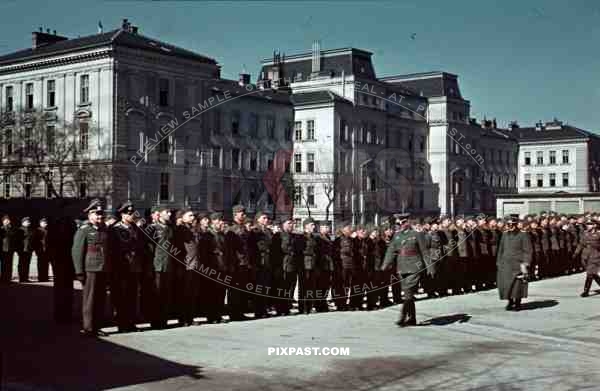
[(327, 52), (547, 195), (418, 76), (34, 57)]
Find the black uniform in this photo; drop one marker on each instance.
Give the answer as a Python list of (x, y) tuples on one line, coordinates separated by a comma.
[(9, 245), (40, 246)]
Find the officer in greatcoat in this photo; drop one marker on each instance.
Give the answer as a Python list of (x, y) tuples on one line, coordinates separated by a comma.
[(514, 255), (408, 251), (92, 266)]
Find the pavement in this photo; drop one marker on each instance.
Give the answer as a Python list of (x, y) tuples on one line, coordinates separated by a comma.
[(466, 342)]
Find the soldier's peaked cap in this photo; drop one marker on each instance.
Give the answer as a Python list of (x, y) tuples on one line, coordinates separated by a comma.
[(127, 207), (24, 219), (309, 220), (402, 216), (94, 206)]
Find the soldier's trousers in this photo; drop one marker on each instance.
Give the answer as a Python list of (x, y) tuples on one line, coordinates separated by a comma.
[(238, 295), (323, 285), (93, 301), (410, 283), (24, 263), (43, 263), (286, 295), (6, 269), (163, 298), (309, 290), (213, 298), (337, 289), (192, 281), (352, 279), (124, 292), (263, 289), (147, 297)]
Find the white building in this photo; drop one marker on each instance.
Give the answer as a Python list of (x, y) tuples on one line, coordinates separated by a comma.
[(471, 163), (556, 157), (360, 144), (136, 118)]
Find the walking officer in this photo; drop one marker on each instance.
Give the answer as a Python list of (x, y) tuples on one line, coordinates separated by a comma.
[(92, 265), (589, 247), (409, 252)]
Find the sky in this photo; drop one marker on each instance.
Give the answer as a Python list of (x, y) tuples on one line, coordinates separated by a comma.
[(516, 60)]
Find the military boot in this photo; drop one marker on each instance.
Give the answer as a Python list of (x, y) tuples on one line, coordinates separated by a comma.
[(587, 285)]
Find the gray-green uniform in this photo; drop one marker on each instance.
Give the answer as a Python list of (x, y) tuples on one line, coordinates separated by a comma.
[(514, 254), (91, 264), (409, 251)]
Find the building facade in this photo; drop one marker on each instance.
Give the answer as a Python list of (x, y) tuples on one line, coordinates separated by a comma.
[(360, 144), (555, 157), (470, 162), (124, 117)]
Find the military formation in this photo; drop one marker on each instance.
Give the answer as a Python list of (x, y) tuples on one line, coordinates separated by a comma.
[(180, 265)]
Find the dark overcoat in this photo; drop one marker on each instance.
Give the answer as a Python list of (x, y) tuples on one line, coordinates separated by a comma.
[(514, 249)]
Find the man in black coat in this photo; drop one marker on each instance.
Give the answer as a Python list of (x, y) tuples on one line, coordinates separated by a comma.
[(8, 233), (40, 246), (514, 256), (24, 248)]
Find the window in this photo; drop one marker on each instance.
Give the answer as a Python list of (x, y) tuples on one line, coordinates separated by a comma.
[(297, 196), (565, 156), (342, 162), (51, 93), (163, 146), (235, 122), (372, 184), (539, 158), (343, 131), (84, 88), (9, 98), (310, 129), (82, 185), (310, 195), (50, 135), (565, 177), (164, 186), (422, 144), (216, 121), (552, 180), (253, 160), (310, 162), (83, 136), (527, 180), (163, 92), (289, 126), (298, 131), (456, 148), (540, 180), (216, 157), (29, 96), (235, 159), (27, 185), (410, 144), (421, 199), (253, 126), (271, 128), (298, 162), (527, 158), (270, 159), (552, 157), (7, 180)]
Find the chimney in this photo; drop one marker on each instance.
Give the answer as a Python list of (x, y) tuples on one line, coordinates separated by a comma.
[(316, 57), (494, 124), (40, 38), (513, 125), (125, 25), (244, 79), (539, 125)]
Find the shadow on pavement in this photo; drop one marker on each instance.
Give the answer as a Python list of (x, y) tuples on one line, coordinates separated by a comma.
[(37, 353), (534, 305), (446, 320)]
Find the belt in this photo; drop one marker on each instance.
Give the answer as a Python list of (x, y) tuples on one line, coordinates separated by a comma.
[(408, 252)]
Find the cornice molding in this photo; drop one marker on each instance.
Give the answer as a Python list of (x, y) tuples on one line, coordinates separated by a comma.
[(53, 62)]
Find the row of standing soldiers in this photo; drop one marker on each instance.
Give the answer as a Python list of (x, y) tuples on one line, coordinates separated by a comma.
[(192, 265)]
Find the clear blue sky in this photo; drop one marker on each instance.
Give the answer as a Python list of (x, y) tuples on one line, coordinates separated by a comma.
[(523, 60)]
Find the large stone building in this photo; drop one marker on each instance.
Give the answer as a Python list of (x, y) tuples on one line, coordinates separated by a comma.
[(471, 163), (127, 117), (556, 157), (360, 144)]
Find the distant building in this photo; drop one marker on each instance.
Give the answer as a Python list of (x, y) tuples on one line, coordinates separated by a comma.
[(556, 157), (470, 163), (360, 143)]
